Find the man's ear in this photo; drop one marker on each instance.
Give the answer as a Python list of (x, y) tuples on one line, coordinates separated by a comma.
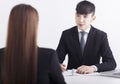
[(94, 17)]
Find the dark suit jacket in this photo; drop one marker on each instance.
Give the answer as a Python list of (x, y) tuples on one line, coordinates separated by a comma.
[(97, 46), (49, 71)]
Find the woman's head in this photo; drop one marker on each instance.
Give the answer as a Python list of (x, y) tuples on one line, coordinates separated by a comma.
[(20, 56), (23, 22)]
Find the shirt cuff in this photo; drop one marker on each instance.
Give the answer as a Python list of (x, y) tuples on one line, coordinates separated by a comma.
[(95, 67)]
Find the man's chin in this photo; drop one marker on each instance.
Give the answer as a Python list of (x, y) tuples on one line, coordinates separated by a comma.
[(81, 28)]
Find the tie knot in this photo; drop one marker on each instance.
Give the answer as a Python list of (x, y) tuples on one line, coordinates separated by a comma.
[(82, 33)]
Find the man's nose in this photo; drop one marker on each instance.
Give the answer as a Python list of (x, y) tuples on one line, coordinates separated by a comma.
[(81, 19)]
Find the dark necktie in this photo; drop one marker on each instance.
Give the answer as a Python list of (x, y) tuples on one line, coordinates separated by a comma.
[(82, 41)]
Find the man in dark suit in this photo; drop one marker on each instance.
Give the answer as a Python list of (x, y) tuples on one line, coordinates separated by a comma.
[(87, 48)]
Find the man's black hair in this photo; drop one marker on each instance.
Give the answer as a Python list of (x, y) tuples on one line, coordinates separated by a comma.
[(85, 7)]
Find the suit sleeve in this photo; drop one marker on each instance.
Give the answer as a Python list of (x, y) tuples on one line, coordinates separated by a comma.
[(61, 49), (55, 70), (108, 61)]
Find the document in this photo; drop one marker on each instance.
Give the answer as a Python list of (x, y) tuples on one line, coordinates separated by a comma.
[(73, 72)]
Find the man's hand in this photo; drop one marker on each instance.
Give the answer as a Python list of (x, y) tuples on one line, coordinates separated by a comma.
[(63, 67), (85, 69)]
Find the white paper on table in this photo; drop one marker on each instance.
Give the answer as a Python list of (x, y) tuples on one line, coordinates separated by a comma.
[(72, 72)]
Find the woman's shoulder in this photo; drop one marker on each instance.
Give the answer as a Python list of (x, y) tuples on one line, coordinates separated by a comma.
[(46, 55), (1, 51), (45, 51)]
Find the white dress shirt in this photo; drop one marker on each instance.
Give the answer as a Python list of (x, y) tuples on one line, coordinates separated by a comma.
[(86, 35)]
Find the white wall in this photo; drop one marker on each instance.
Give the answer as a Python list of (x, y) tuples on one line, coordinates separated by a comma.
[(58, 15)]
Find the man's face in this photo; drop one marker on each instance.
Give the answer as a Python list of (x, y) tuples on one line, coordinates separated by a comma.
[(83, 21)]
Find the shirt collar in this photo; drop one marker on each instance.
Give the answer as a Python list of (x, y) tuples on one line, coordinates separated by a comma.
[(87, 30)]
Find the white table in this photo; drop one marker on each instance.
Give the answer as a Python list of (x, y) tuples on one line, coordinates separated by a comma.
[(94, 78)]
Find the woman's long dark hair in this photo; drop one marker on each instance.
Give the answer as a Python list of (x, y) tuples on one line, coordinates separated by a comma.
[(20, 55)]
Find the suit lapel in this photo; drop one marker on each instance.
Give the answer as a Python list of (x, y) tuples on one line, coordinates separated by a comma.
[(90, 41), (76, 42)]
